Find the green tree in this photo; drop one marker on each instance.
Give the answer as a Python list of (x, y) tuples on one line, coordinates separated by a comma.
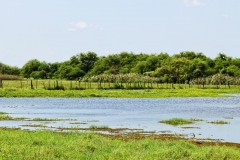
[(233, 70), (6, 69), (30, 67), (198, 68), (114, 64), (236, 62), (152, 63), (70, 72), (87, 61), (100, 66), (39, 74), (54, 70), (179, 69), (222, 61), (140, 68), (189, 55), (127, 62)]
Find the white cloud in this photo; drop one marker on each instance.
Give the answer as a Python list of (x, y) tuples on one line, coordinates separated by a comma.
[(224, 15), (192, 3), (77, 25), (81, 25)]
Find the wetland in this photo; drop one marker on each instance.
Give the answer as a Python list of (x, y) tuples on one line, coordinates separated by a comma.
[(213, 119)]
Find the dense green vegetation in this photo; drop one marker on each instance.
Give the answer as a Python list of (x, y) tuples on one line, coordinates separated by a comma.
[(18, 144), (8, 70), (179, 68)]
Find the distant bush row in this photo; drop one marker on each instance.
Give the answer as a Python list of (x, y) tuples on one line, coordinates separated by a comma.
[(184, 67)]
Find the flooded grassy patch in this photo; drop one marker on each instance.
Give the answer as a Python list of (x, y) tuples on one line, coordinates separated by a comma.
[(166, 131), (190, 127), (34, 125), (3, 113), (53, 119), (78, 123), (92, 120), (98, 127), (8, 128), (228, 117), (196, 120), (7, 118), (177, 121), (126, 113), (219, 122)]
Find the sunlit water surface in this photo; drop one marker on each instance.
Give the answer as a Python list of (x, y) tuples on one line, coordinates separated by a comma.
[(131, 113)]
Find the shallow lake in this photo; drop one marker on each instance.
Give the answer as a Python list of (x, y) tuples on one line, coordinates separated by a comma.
[(132, 113)]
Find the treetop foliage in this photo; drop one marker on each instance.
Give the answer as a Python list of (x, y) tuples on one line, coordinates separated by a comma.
[(181, 67)]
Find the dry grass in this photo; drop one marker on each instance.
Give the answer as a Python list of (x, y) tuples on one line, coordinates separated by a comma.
[(9, 77)]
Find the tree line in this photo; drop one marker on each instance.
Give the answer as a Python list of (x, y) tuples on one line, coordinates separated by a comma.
[(179, 68)]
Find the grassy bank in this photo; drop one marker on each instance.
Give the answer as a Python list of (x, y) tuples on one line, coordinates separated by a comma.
[(18, 144), (120, 93)]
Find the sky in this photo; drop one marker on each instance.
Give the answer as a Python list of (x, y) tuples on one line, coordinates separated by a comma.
[(56, 30)]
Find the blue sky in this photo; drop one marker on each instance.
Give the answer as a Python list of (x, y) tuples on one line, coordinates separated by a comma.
[(55, 30)]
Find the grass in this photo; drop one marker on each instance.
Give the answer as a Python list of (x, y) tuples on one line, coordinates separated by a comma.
[(4, 118), (196, 120), (98, 127), (219, 122), (78, 123), (177, 121), (52, 119), (18, 144), (9, 77), (106, 129), (3, 113), (22, 88), (34, 125), (120, 93), (7, 118)]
